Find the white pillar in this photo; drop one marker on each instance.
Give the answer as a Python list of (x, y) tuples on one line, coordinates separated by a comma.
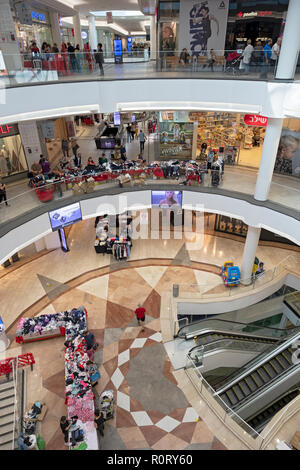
[(268, 157), (77, 30), (249, 253), (10, 49), (55, 28), (92, 32), (290, 43), (153, 37), (52, 241)]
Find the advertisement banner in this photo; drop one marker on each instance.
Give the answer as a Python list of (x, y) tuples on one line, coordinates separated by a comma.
[(203, 26), (288, 155), (175, 139)]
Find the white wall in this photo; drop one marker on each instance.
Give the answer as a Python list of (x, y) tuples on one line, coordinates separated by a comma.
[(38, 227), (40, 101)]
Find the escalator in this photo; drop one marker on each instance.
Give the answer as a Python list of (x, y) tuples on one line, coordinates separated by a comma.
[(262, 418), (260, 380), (209, 330)]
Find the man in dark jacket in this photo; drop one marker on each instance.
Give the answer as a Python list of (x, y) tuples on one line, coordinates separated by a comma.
[(99, 58)]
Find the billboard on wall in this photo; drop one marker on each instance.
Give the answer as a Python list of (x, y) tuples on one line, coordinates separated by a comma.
[(288, 154), (203, 26)]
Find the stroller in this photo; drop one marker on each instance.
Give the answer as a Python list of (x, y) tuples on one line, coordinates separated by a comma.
[(233, 63), (107, 404), (215, 175)]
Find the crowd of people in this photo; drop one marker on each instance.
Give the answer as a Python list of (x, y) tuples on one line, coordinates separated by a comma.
[(259, 58), (79, 59)]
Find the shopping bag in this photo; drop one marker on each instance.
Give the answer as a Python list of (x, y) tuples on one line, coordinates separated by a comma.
[(40, 442)]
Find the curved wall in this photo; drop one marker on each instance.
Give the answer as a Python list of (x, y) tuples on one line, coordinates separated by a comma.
[(22, 231), (272, 99)]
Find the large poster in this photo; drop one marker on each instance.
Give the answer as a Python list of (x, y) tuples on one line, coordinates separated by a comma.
[(288, 154), (203, 26), (176, 139)]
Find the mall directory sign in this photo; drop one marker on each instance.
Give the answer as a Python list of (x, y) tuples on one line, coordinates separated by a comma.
[(65, 216)]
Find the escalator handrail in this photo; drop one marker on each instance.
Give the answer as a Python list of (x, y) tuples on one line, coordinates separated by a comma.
[(236, 323), (256, 363), (221, 340), (265, 387), (239, 334), (272, 403)]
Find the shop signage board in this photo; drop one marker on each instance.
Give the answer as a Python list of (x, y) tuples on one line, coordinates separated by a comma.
[(255, 120), (203, 26), (40, 17), (7, 130)]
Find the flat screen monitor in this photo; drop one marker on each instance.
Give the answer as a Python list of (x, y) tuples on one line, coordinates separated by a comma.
[(133, 118), (117, 119), (108, 143), (65, 216), (166, 199)]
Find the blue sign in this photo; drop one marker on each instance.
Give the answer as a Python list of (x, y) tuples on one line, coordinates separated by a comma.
[(129, 43), (117, 119), (38, 16), (118, 47)]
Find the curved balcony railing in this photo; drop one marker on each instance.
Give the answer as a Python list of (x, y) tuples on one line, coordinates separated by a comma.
[(29, 68), (22, 199)]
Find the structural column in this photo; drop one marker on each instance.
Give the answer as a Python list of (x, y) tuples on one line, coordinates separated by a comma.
[(92, 32), (77, 30), (290, 43), (268, 157), (55, 29), (153, 37), (10, 46), (250, 248)]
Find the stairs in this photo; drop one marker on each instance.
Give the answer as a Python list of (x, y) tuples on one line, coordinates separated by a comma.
[(258, 378), (7, 402)]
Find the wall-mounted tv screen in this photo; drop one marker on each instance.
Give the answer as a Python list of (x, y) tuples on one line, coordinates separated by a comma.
[(65, 216), (166, 198)]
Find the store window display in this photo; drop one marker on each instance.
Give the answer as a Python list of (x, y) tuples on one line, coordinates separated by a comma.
[(288, 155), (12, 158)]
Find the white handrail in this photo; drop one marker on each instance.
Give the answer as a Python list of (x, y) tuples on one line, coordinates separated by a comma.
[(15, 382)]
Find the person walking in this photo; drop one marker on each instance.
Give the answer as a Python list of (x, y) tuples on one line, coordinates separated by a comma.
[(275, 54), (65, 426), (142, 139), (99, 58), (3, 193), (99, 422), (247, 54), (65, 147), (258, 56), (128, 129), (267, 57), (140, 315)]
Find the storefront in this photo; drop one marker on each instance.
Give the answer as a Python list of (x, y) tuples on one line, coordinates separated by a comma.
[(237, 227), (255, 20), (39, 31), (12, 156), (226, 133)]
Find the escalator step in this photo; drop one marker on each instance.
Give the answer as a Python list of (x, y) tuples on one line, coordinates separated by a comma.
[(232, 397), (246, 390), (270, 370), (275, 366), (283, 363), (256, 379), (250, 383), (287, 357), (225, 398), (238, 392), (262, 374)]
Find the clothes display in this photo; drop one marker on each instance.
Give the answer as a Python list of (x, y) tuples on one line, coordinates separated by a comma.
[(78, 386), (119, 245)]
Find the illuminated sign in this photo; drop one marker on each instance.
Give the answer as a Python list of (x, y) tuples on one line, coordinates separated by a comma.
[(254, 13), (38, 16), (7, 130), (255, 120)]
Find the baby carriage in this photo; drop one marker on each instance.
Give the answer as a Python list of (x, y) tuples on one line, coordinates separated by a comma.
[(107, 404), (233, 63)]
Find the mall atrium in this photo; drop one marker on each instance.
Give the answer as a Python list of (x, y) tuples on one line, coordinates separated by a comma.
[(149, 225)]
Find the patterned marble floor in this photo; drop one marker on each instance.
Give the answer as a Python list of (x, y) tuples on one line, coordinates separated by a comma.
[(151, 410)]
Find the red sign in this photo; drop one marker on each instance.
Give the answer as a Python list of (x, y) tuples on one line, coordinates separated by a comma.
[(5, 129), (255, 120)]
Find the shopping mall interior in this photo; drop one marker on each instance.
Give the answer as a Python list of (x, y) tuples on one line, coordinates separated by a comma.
[(149, 226)]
